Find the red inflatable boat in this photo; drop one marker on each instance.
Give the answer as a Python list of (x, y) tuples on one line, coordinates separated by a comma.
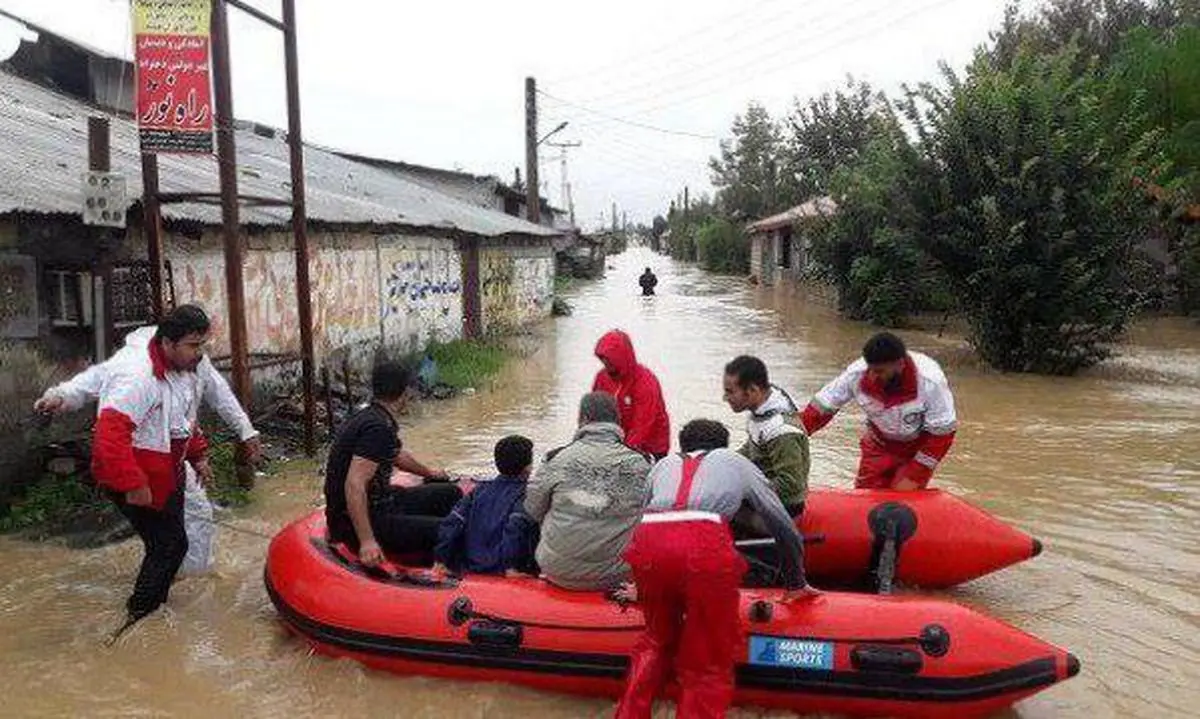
[(841, 653), (925, 538), (928, 538)]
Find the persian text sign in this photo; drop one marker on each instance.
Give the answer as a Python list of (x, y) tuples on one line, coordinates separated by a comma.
[(174, 88)]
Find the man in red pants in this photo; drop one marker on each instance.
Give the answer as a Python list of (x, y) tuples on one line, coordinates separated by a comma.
[(687, 570), (910, 413)]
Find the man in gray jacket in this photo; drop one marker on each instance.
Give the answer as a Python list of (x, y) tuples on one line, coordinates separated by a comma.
[(588, 497)]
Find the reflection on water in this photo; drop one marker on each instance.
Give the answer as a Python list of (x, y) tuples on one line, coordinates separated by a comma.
[(1103, 468)]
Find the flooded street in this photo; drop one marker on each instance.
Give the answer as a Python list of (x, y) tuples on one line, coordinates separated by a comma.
[(1103, 468)]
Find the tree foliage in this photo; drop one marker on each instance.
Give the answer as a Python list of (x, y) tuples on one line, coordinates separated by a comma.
[(747, 173), (721, 247), (1029, 192)]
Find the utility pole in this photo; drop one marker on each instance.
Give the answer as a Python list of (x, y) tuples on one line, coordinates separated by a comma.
[(566, 184), (614, 217), (533, 203)]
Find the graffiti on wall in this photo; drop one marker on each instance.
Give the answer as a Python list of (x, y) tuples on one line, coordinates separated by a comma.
[(345, 296), (344, 301), (422, 292), (516, 290)]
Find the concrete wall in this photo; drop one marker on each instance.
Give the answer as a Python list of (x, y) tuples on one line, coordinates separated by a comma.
[(422, 291), (393, 291), (517, 286), (758, 245), (766, 249), (369, 291)]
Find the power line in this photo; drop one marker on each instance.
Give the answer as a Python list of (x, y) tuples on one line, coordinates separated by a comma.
[(634, 123), (663, 46), (644, 100), (761, 48), (791, 62)]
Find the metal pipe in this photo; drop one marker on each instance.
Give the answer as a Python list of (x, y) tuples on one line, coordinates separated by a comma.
[(259, 14), (300, 228), (100, 160), (227, 162), (213, 198)]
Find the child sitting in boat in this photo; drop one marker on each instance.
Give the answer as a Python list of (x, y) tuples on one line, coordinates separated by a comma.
[(489, 532)]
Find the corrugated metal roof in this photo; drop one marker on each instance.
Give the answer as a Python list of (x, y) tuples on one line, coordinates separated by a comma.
[(43, 140), (819, 207)]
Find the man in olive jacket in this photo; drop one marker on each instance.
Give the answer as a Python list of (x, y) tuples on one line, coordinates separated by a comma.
[(588, 497), (777, 443)]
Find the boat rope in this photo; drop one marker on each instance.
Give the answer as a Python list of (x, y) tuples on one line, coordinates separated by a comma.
[(229, 526), (462, 611)]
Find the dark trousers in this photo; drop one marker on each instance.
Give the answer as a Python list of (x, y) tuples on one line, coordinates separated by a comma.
[(166, 545), (405, 519)]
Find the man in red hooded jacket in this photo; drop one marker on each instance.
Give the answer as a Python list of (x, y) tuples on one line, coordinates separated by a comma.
[(639, 396)]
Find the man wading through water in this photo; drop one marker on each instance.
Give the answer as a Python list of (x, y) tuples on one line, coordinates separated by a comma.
[(145, 430)]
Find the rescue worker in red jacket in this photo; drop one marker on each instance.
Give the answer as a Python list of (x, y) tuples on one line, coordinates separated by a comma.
[(909, 408), (145, 430), (687, 571), (639, 396)]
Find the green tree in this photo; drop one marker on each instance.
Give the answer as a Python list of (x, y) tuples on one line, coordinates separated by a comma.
[(829, 133), (722, 248), (747, 172), (868, 250), (1161, 72), (1022, 196), (1096, 27)]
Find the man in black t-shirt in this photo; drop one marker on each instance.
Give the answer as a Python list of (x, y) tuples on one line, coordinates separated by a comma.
[(362, 509)]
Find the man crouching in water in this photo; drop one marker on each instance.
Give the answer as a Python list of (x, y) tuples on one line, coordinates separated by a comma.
[(687, 571)]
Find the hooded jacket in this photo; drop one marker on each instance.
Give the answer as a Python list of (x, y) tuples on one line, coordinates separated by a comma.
[(778, 447), (588, 498), (639, 395)]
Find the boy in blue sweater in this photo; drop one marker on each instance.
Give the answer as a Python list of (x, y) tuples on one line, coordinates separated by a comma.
[(489, 532)]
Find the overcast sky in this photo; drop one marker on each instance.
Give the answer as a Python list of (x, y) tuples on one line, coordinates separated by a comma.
[(442, 82)]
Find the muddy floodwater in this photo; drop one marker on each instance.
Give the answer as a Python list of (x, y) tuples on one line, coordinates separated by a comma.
[(1103, 468)]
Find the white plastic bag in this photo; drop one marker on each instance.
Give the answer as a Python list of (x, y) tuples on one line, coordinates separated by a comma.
[(197, 523)]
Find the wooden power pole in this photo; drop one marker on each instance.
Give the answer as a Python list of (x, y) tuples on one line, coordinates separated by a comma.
[(533, 202)]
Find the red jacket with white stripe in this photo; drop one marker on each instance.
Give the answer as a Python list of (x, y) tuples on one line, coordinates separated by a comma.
[(918, 419), (144, 405)]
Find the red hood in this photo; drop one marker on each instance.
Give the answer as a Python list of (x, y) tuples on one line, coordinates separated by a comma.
[(617, 348)]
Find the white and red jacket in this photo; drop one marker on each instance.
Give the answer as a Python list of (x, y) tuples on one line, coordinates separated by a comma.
[(146, 424), (917, 419)]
